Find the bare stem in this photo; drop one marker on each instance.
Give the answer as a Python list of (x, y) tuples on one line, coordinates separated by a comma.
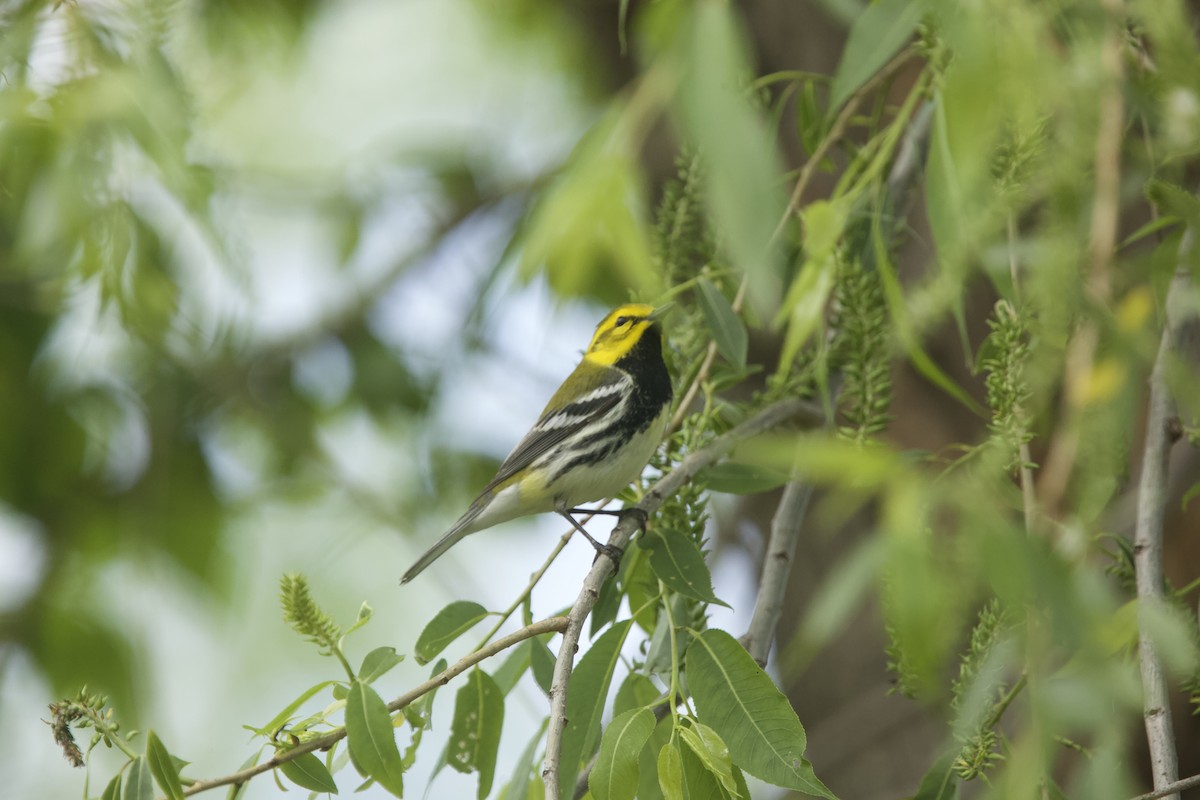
[(764, 420), (1148, 533), (777, 568), (1081, 353), (327, 740)]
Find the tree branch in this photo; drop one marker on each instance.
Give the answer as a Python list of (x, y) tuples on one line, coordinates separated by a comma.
[(325, 741), (764, 420), (1171, 789), (1148, 532), (777, 569)]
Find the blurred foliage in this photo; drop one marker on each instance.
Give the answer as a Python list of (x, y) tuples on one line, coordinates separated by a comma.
[(167, 183)]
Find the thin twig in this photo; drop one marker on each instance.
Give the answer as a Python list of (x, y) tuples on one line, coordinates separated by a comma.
[(1148, 533), (1172, 789), (770, 417), (1081, 353), (777, 569), (327, 740)]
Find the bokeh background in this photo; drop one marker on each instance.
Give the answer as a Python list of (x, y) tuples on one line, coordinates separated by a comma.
[(265, 307)]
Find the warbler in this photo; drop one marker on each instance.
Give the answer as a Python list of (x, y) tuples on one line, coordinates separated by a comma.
[(591, 440)]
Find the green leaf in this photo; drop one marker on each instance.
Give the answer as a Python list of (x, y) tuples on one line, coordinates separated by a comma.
[(513, 667), (447, 625), (679, 564), (670, 772), (475, 730), (365, 612), (309, 772), (372, 738), (731, 477), (726, 326), (1191, 494), (587, 233), (113, 790), (877, 34), (586, 694), (743, 166), (744, 707), (637, 691), (524, 768), (236, 792), (138, 783), (905, 329), (700, 783), (804, 307), (542, 662), (377, 663), (162, 767), (941, 782), (648, 785), (607, 605), (282, 717), (712, 752), (615, 776)]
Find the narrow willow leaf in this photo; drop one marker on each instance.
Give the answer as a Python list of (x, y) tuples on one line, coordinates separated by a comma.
[(679, 564), (648, 785), (876, 35), (813, 286), (113, 790), (607, 605), (377, 663), (740, 702), (615, 776), (723, 322), (475, 730), (162, 767), (372, 738), (524, 768), (743, 164), (712, 752), (637, 691), (138, 783), (283, 716), (730, 477), (699, 782), (513, 667), (542, 663), (670, 772), (447, 625), (586, 693), (238, 791), (905, 329), (309, 772), (940, 782)]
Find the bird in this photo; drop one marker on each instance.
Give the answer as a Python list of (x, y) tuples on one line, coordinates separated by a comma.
[(591, 440)]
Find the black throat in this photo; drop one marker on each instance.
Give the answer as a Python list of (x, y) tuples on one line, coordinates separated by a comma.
[(645, 363)]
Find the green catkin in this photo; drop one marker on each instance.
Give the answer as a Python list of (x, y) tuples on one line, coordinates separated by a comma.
[(861, 352), (1007, 389), (979, 740), (305, 616)]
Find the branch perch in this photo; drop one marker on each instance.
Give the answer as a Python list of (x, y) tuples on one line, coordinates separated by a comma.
[(1148, 533), (325, 741), (768, 418)]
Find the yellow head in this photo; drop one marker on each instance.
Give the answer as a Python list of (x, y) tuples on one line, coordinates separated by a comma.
[(620, 331)]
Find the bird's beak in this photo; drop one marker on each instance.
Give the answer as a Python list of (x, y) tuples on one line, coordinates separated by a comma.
[(657, 314)]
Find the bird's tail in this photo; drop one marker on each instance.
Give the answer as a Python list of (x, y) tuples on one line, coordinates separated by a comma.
[(450, 538)]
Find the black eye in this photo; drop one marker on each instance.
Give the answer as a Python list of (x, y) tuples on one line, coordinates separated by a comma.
[(623, 321)]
